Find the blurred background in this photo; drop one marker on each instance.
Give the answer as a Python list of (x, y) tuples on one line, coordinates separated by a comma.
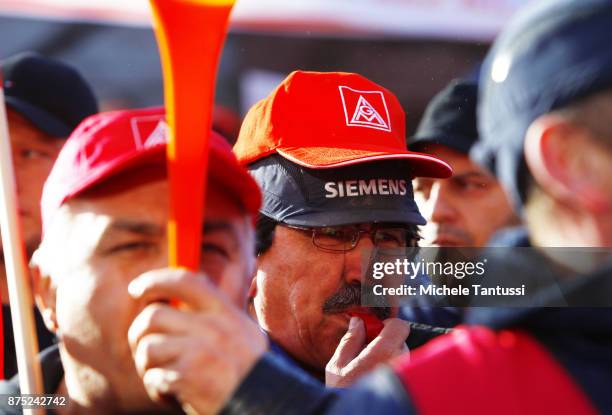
[(412, 47)]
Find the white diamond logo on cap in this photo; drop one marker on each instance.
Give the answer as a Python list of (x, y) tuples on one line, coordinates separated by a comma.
[(366, 114), (368, 108), (149, 131), (158, 136)]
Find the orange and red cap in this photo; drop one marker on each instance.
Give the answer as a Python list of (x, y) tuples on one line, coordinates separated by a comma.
[(325, 120)]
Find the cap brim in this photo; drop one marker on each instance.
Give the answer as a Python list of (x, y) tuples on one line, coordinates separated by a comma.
[(341, 218), (458, 143), (421, 165)]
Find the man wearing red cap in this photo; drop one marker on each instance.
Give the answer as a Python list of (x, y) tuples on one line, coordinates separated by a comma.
[(328, 151), (101, 285)]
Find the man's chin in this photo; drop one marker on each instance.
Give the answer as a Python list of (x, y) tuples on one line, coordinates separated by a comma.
[(329, 337), (339, 321)]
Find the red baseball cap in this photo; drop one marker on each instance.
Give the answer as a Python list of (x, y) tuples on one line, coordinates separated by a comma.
[(331, 119), (109, 143)]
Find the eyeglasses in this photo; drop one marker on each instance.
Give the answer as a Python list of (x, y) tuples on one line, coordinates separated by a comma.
[(346, 238)]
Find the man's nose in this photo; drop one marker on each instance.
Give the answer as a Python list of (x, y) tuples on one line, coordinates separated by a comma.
[(354, 260), (441, 207)]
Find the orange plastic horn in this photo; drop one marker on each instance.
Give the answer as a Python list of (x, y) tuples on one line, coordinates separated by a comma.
[(190, 36)]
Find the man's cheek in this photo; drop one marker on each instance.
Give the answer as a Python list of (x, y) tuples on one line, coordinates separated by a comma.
[(307, 297), (76, 318), (96, 309)]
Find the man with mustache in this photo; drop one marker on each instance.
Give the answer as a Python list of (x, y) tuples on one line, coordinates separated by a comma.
[(328, 151), (45, 99), (468, 208)]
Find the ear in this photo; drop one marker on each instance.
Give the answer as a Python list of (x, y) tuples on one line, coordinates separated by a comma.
[(253, 288), (555, 151), (251, 298), (45, 296)]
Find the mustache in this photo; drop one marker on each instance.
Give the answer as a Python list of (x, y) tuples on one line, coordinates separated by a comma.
[(348, 296)]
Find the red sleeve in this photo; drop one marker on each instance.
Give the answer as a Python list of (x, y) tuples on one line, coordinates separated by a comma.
[(478, 371)]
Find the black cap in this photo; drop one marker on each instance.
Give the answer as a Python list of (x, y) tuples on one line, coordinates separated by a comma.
[(450, 119), (552, 54), (374, 192), (50, 94)]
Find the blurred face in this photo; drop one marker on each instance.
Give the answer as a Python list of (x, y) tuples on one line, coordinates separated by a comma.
[(465, 210), (303, 294), (33, 155), (110, 236), (570, 158)]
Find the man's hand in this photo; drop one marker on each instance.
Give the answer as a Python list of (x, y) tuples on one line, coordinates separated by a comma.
[(353, 357), (197, 352)]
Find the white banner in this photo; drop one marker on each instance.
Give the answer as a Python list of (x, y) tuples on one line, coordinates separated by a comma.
[(445, 19)]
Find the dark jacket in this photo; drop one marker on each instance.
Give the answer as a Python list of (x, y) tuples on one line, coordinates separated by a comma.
[(52, 371), (275, 387), (45, 339)]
